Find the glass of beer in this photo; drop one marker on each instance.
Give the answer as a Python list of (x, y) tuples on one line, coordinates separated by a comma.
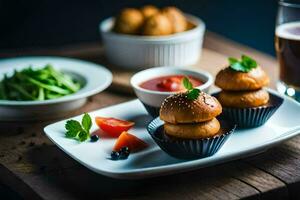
[(287, 45)]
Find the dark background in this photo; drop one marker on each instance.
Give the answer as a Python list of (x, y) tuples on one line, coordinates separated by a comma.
[(48, 23)]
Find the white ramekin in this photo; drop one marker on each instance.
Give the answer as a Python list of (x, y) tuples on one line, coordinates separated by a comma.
[(138, 52), (152, 100)]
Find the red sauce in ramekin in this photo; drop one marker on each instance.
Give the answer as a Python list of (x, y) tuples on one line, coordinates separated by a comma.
[(171, 83)]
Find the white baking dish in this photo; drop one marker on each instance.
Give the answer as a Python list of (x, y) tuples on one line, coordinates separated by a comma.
[(138, 52)]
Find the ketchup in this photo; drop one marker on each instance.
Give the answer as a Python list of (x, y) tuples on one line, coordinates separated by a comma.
[(171, 83)]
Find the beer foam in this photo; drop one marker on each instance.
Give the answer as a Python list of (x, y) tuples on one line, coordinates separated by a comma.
[(282, 30)]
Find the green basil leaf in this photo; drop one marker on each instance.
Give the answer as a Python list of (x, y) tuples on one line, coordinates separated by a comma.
[(248, 62), (238, 67), (86, 122), (193, 94), (232, 60), (187, 84)]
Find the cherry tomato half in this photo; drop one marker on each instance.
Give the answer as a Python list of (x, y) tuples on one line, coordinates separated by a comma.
[(171, 84), (113, 127), (132, 142)]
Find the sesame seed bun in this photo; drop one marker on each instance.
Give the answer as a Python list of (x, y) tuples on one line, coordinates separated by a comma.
[(229, 79), (179, 109), (193, 131), (243, 99)]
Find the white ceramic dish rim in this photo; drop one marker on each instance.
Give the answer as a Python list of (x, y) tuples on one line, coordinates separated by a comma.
[(172, 70), (75, 96), (191, 164), (104, 27)]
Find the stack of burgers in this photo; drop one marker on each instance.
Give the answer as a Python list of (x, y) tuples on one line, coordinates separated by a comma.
[(190, 128), (191, 119), (242, 89), (243, 97)]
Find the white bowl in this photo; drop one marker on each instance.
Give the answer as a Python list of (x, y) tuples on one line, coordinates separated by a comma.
[(152, 100), (95, 77), (132, 51)]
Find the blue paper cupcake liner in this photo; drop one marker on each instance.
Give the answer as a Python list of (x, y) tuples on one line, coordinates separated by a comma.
[(188, 148), (252, 117), (153, 111)]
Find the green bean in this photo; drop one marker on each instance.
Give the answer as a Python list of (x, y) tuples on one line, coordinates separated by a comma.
[(37, 84)]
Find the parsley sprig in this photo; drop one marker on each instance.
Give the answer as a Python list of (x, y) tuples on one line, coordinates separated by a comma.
[(246, 64), (192, 93), (77, 131)]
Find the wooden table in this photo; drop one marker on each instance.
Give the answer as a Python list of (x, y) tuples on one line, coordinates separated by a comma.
[(36, 169)]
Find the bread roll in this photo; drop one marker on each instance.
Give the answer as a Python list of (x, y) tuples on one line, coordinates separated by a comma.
[(177, 19), (243, 99), (178, 109), (149, 11), (193, 131), (229, 79), (157, 25), (129, 21)]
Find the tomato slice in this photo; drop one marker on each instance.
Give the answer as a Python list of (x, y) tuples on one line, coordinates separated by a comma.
[(132, 142), (113, 127)]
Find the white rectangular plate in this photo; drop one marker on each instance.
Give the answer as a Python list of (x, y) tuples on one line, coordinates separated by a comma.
[(152, 161)]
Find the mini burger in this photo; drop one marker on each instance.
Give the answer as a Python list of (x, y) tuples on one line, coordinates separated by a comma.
[(188, 127), (244, 99), (191, 115), (242, 84)]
